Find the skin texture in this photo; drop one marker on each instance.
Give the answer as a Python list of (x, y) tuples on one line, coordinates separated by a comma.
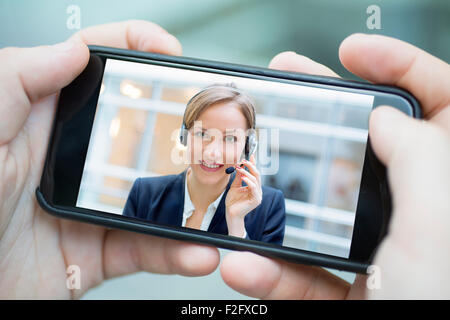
[(216, 120), (36, 248), (204, 187), (413, 260)]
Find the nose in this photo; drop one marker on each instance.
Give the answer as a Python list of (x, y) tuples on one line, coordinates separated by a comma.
[(213, 151)]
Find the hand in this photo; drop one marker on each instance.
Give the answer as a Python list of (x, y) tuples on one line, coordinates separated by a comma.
[(241, 200), (36, 248), (413, 258)]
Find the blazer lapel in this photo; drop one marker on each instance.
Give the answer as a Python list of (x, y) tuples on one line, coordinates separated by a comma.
[(180, 194), (172, 202)]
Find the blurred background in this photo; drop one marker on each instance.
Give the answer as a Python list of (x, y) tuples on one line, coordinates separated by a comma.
[(239, 31), (311, 145)]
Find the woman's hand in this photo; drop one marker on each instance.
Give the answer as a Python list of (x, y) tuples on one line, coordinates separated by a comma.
[(35, 247), (241, 200)]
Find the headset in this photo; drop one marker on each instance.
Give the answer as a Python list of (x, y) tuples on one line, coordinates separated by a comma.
[(250, 140)]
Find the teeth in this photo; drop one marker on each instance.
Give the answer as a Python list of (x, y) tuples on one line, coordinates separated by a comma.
[(212, 166)]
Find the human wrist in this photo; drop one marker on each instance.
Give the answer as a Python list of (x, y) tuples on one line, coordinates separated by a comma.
[(236, 226)]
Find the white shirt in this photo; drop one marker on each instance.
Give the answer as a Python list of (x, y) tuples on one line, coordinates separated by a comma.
[(209, 215), (189, 208)]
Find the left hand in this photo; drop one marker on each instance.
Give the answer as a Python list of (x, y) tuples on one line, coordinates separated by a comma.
[(35, 247), (241, 200)]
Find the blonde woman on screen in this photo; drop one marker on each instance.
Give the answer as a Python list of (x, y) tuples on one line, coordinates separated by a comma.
[(218, 132)]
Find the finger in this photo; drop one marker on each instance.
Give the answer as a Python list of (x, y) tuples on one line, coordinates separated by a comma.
[(291, 61), (247, 175), (126, 252), (243, 189), (390, 61), (134, 35), (396, 139), (102, 254), (29, 74), (237, 180), (253, 170), (253, 187), (264, 278)]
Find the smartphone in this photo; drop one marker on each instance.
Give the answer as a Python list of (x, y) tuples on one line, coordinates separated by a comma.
[(117, 156)]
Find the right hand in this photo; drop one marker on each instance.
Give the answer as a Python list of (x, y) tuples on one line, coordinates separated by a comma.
[(242, 200), (413, 258)]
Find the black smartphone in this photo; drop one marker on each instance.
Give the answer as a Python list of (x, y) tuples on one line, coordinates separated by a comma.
[(138, 136)]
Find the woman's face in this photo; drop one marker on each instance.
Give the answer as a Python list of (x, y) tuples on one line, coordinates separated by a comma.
[(216, 141)]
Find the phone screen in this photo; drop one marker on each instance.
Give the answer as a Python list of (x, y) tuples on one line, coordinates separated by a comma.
[(311, 146)]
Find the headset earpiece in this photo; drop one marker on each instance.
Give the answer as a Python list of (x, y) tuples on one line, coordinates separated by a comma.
[(183, 135), (250, 144)]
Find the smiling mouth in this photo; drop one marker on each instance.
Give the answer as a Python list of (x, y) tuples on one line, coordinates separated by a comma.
[(210, 167)]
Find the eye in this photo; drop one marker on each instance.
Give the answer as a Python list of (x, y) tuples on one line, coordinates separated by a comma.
[(202, 135), (230, 139)]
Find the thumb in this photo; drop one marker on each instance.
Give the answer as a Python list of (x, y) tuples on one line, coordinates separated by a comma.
[(30, 74), (417, 155), (388, 128)]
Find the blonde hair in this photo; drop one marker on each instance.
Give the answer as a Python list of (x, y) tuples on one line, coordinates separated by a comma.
[(219, 93)]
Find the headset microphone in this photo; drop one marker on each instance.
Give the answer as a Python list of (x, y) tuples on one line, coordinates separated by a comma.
[(229, 170), (249, 149)]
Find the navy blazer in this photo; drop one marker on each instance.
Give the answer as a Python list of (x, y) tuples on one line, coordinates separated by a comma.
[(161, 200)]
